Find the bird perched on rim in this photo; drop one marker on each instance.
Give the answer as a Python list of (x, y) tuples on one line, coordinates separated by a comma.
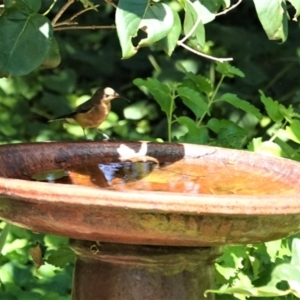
[(93, 112)]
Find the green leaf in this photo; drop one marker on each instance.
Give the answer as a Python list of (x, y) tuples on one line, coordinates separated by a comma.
[(256, 145), (273, 17), (3, 235), (229, 71), (156, 20), (34, 5), (213, 5), (61, 257), (288, 151), (272, 107), (193, 100), (192, 15), (169, 42), (296, 4), (160, 92), (241, 104), (129, 15), (230, 135), (53, 59), (296, 252), (216, 125), (202, 84), (293, 131), (26, 38), (198, 135)]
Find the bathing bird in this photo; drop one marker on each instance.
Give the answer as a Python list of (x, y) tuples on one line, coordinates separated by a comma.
[(93, 112)]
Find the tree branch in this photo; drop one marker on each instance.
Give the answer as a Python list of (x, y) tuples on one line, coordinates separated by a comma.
[(92, 27), (61, 11), (228, 9), (202, 54)]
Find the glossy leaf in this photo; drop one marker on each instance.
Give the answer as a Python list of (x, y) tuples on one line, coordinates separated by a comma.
[(160, 92), (192, 15), (273, 17), (228, 70), (26, 38), (169, 42), (156, 20), (241, 104), (129, 15)]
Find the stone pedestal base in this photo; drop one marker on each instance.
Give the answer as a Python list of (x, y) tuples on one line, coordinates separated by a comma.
[(105, 271)]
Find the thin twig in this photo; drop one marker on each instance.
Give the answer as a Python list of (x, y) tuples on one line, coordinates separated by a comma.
[(62, 10), (67, 23), (192, 30), (204, 55), (92, 27), (228, 9), (50, 8), (82, 11), (111, 3)]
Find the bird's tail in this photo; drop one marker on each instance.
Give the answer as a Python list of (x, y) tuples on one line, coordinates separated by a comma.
[(60, 118)]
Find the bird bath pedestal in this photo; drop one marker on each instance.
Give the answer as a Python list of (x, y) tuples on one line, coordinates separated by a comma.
[(147, 220)]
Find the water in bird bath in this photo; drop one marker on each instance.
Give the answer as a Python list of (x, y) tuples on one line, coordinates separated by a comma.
[(177, 177)]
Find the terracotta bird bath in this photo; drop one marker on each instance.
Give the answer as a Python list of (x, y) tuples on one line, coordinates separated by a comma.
[(147, 220)]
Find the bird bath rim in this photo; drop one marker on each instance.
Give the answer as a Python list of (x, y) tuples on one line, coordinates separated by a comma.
[(189, 203), (153, 218)]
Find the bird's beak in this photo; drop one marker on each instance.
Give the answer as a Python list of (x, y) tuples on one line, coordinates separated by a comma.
[(120, 96)]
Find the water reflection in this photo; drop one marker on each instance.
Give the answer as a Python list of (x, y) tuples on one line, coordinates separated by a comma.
[(177, 177)]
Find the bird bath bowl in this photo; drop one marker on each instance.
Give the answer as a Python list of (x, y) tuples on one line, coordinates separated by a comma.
[(147, 220)]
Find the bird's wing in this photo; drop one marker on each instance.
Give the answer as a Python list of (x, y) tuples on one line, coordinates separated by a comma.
[(84, 107)]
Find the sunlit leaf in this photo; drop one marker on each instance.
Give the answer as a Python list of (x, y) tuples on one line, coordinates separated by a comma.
[(192, 16), (273, 17), (129, 15), (241, 104), (160, 92), (293, 131), (169, 42), (156, 20), (157, 23), (3, 235), (61, 257)]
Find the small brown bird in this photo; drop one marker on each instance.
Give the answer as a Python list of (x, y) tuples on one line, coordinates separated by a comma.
[(93, 112)]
